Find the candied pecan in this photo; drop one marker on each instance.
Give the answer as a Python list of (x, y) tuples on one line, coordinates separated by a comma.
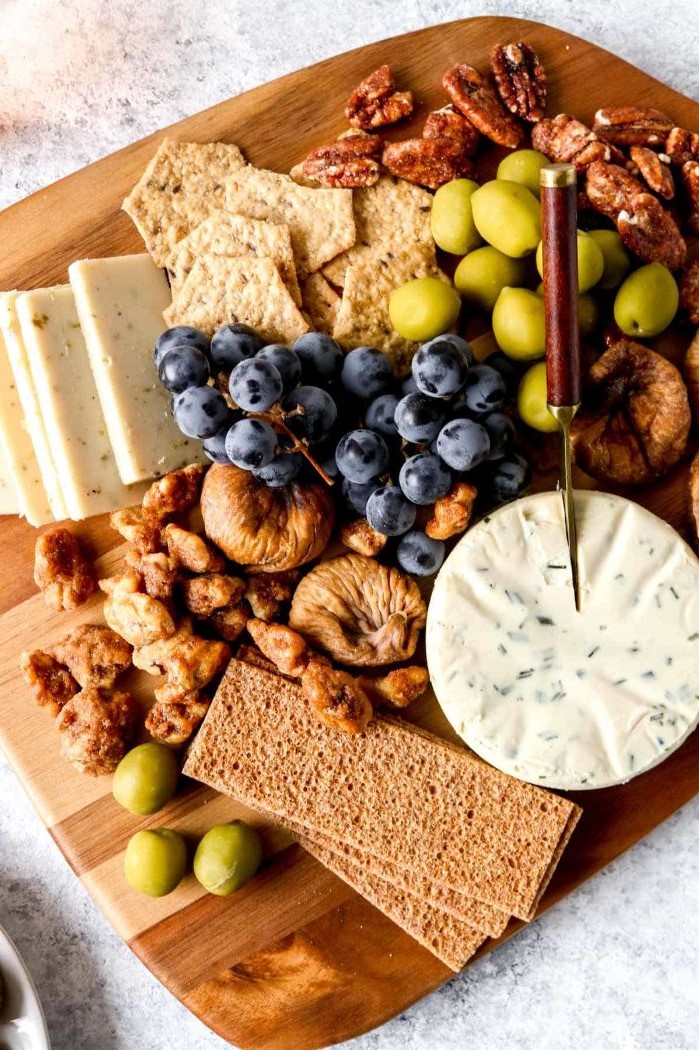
[(285, 647), (138, 618), (635, 421), (476, 99), (230, 623), (690, 371), (336, 698), (447, 123), (694, 495), (690, 178), (52, 684), (652, 169), (632, 125), (427, 162), (94, 654), (61, 571), (689, 292), (177, 491), (138, 528), (128, 581), (159, 572), (203, 595), (568, 141), (375, 102), (651, 233), (195, 661), (266, 592), (520, 79), (681, 146), (192, 551), (154, 658), (452, 513), (397, 688), (337, 167), (360, 537), (174, 723), (95, 727)]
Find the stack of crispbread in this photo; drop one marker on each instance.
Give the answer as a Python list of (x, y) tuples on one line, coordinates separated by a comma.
[(443, 844)]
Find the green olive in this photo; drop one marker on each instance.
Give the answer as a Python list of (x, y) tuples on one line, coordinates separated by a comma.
[(146, 778), (451, 218), (647, 301), (523, 166), (518, 324), (531, 400), (423, 308), (508, 216), (481, 275), (617, 261), (227, 857), (155, 861), (590, 261)]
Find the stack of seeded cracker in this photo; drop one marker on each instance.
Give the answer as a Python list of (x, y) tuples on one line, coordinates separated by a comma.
[(444, 845), (243, 244)]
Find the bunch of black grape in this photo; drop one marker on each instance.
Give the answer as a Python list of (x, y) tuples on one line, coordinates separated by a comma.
[(397, 447)]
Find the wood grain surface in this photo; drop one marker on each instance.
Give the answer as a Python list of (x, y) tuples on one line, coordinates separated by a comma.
[(296, 959)]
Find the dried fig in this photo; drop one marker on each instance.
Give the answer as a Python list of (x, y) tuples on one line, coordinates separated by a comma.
[(265, 529), (361, 613), (694, 495), (636, 418)]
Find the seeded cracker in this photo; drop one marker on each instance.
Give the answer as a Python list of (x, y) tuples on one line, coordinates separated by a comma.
[(320, 221), (320, 303), (219, 290), (181, 186), (235, 236)]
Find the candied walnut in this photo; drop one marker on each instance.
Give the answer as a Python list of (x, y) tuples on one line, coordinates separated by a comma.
[(203, 595), (140, 529), (681, 146), (174, 723), (635, 421), (520, 79), (195, 661), (690, 178), (690, 371), (128, 581), (336, 698), (351, 161), (285, 647), (61, 571), (266, 529), (176, 492), (694, 495), (94, 655), (397, 688), (160, 573), (264, 594), (191, 551), (475, 98), (632, 125), (654, 172), (361, 613), (568, 141), (154, 657), (689, 291), (138, 618), (427, 162), (451, 514), (375, 103), (447, 123), (360, 537), (95, 727), (230, 623), (52, 684)]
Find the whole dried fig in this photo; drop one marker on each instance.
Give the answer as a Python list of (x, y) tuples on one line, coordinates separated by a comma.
[(636, 418), (361, 613), (265, 529)]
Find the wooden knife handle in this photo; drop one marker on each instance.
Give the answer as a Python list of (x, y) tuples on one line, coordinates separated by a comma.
[(559, 214)]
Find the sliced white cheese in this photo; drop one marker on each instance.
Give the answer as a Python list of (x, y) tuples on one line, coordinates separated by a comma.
[(37, 514), (559, 698), (9, 499), (120, 304), (67, 394)]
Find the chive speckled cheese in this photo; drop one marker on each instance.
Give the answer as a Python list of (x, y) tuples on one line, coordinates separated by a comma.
[(564, 699)]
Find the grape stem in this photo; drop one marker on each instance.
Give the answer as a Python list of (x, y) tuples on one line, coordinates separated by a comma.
[(277, 418)]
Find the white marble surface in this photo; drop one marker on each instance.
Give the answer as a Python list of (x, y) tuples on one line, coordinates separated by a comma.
[(614, 966)]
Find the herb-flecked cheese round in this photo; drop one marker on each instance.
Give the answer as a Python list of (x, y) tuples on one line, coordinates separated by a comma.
[(564, 699)]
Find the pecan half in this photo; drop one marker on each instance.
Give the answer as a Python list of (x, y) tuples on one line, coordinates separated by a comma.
[(694, 495), (632, 125), (52, 684), (397, 688), (568, 141), (427, 162), (689, 292), (265, 593), (446, 123), (61, 571), (192, 551), (690, 178), (452, 513), (351, 161), (177, 491), (139, 528), (682, 145), (285, 647), (175, 723), (520, 79), (203, 595), (375, 103), (610, 188), (653, 171), (229, 623), (475, 98), (336, 698), (94, 655), (360, 537)]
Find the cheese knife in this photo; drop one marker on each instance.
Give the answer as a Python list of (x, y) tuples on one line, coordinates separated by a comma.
[(559, 213)]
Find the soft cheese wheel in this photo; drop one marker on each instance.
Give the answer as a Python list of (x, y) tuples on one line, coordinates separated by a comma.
[(564, 699)]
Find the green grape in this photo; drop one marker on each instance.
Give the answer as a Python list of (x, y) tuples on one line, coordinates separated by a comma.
[(227, 857), (451, 218), (647, 301), (588, 315), (481, 275), (518, 324), (590, 261), (508, 216), (531, 400), (617, 261), (523, 166), (155, 861), (423, 308)]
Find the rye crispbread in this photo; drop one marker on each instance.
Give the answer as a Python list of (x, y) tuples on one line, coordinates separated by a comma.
[(393, 791)]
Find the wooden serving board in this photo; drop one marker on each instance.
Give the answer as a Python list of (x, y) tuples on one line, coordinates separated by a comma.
[(296, 959)]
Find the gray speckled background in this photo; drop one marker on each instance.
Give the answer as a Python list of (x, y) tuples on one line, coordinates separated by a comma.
[(614, 966)]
